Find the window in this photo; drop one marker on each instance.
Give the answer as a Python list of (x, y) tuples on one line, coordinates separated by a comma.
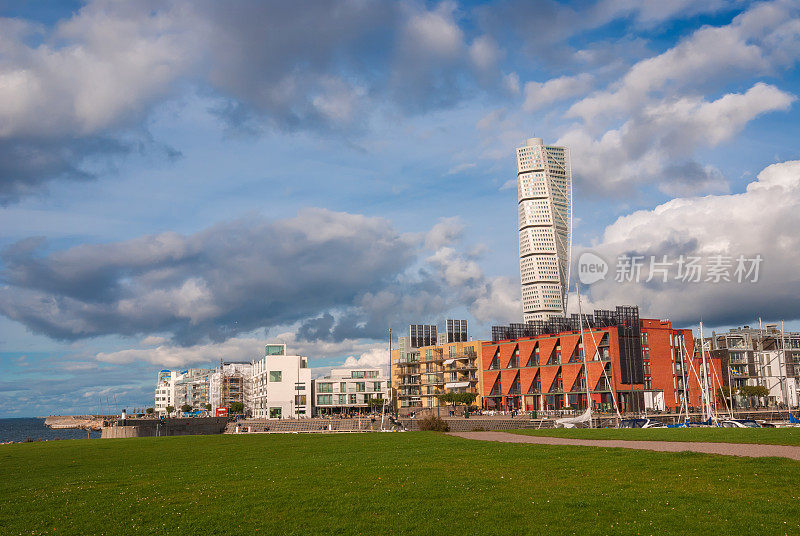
[(324, 400), (360, 387), (325, 387), (274, 349), (376, 386), (341, 400), (275, 375), (299, 400), (452, 351), (352, 399), (342, 387), (274, 413), (428, 354)]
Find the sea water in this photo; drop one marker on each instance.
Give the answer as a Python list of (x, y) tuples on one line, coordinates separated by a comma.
[(35, 430)]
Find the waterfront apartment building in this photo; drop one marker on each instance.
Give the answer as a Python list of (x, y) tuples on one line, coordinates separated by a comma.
[(544, 180), (766, 357), (282, 385), (642, 364), (421, 375), (231, 382), (177, 388), (348, 391)]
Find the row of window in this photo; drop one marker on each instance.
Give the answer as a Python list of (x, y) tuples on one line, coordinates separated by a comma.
[(343, 400), (360, 387)]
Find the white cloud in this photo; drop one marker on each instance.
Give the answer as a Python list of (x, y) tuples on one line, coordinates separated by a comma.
[(484, 53), (540, 94), (747, 45), (655, 143), (500, 302), (377, 357), (461, 167), (102, 68), (760, 221), (508, 185), (235, 349), (350, 352), (445, 232)]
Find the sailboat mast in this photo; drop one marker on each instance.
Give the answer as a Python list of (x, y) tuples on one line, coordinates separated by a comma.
[(583, 351), (707, 412), (685, 401)]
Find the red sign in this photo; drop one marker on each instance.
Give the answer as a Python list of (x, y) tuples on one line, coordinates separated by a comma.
[(222, 412)]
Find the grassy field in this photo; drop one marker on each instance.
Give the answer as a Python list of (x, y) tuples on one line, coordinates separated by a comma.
[(411, 483), (771, 436)]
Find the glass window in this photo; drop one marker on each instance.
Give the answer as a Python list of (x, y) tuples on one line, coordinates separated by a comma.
[(352, 399), (325, 387), (343, 387), (274, 349), (376, 386), (275, 375), (360, 387), (323, 400), (299, 400), (452, 351)]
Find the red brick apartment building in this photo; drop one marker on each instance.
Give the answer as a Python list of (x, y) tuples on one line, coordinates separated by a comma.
[(640, 359)]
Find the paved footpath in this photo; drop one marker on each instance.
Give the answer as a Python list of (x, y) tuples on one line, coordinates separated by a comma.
[(728, 449)]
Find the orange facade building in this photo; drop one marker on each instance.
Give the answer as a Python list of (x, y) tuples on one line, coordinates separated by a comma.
[(649, 368)]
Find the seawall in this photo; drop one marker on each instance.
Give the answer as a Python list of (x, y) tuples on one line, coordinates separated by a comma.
[(167, 427)]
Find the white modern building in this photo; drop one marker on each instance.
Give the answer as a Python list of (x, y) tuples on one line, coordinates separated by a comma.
[(165, 391), (281, 385), (544, 179), (350, 391), (771, 368), (177, 388)]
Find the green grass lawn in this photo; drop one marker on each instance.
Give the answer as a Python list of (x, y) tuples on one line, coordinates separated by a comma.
[(772, 436), (409, 483)]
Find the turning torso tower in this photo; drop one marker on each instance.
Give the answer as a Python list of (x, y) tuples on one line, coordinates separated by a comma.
[(544, 179)]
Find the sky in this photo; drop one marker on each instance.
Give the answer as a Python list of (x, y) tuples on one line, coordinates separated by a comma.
[(182, 182)]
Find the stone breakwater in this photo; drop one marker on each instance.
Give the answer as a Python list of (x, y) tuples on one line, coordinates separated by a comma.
[(82, 422)]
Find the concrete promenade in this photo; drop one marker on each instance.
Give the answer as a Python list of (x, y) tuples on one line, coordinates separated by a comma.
[(727, 449)]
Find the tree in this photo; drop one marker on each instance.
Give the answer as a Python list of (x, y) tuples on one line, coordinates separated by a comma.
[(149, 411), (754, 391), (170, 409), (186, 408), (447, 398), (376, 403), (237, 407), (465, 398), (458, 398)]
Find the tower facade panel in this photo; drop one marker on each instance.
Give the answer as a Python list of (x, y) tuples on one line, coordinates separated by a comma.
[(545, 227)]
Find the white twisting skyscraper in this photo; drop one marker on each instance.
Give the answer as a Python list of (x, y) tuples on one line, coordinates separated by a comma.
[(544, 180)]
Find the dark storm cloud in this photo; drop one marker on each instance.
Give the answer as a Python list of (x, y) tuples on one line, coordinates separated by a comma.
[(27, 163), (228, 279)]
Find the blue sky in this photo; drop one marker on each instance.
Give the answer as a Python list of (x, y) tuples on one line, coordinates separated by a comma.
[(180, 182)]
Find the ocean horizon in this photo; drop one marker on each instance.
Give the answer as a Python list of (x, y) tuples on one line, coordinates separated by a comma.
[(33, 429)]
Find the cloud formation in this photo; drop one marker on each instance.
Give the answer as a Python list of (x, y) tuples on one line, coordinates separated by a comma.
[(759, 221), (83, 89), (357, 272)]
